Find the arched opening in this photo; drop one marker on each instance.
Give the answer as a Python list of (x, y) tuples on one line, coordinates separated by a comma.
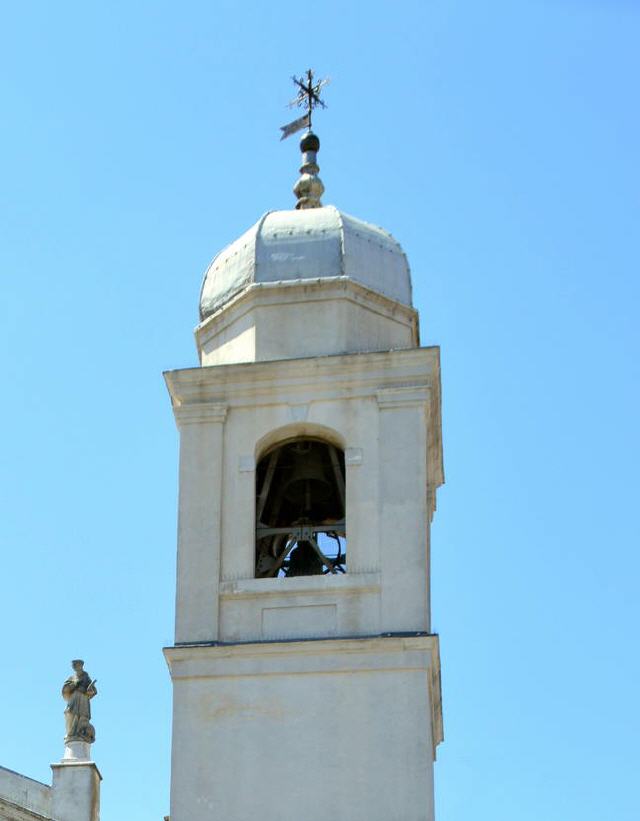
[(300, 510)]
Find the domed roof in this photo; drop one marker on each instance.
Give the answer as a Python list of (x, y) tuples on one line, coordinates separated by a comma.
[(313, 243)]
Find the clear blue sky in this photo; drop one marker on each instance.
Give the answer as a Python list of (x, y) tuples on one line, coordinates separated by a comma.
[(498, 141)]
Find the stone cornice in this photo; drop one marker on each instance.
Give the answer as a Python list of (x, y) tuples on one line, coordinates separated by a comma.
[(193, 660), (20, 813), (91, 765), (408, 396), (305, 379)]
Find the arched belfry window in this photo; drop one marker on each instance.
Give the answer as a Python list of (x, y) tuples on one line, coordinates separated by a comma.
[(300, 510)]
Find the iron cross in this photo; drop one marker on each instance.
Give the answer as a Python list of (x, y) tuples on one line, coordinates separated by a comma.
[(308, 93)]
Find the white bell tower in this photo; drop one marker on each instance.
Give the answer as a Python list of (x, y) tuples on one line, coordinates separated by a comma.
[(306, 679)]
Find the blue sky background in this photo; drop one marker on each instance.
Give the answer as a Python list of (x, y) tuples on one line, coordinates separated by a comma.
[(498, 141)]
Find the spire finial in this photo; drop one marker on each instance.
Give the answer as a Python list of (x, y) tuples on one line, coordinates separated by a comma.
[(309, 188)]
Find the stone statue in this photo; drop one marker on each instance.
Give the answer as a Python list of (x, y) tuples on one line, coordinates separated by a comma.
[(77, 691)]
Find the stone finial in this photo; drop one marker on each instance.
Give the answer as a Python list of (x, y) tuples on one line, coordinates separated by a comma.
[(309, 188), (77, 691)]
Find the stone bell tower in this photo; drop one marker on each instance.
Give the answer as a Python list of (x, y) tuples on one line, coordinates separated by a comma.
[(306, 680)]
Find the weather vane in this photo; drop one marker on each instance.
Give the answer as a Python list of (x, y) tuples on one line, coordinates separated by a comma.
[(308, 97)]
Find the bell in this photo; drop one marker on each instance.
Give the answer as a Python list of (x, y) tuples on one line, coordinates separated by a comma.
[(304, 561), (307, 483)]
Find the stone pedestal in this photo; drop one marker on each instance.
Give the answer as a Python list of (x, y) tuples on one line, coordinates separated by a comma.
[(77, 751), (75, 789)]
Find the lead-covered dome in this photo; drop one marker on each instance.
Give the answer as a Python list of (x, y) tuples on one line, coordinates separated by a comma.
[(307, 244)]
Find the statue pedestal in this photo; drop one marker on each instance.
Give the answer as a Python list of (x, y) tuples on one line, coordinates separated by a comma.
[(75, 794), (77, 751)]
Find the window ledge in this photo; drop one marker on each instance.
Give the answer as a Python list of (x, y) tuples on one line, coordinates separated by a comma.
[(330, 585)]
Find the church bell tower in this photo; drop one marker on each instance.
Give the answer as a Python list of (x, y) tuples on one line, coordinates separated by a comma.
[(306, 678)]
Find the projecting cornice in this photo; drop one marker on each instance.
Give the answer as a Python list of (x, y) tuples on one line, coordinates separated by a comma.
[(305, 378), (409, 396)]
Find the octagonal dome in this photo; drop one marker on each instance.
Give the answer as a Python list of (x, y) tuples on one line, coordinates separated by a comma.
[(311, 244)]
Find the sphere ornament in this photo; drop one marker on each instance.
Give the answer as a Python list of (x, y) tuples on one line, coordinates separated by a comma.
[(309, 142)]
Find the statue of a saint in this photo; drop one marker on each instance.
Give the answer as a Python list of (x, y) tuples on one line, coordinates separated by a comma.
[(77, 691)]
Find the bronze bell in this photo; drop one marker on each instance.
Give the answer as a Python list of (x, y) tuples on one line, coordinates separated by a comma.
[(304, 561), (308, 483)]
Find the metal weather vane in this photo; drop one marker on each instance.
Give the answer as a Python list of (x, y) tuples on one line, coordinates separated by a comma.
[(308, 97)]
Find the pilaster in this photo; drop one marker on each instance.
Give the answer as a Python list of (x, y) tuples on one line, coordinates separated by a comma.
[(403, 517), (199, 511)]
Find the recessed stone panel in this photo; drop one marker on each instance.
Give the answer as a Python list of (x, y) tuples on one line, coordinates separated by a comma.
[(313, 620)]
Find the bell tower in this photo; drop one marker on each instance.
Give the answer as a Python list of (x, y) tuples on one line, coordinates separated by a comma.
[(306, 679)]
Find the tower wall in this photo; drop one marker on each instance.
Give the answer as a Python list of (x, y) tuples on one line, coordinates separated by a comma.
[(305, 318), (318, 730), (317, 696), (383, 409)]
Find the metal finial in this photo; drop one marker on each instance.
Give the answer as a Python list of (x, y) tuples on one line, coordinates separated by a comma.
[(309, 188)]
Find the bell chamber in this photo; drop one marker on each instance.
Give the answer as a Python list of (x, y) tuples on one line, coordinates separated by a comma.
[(300, 510)]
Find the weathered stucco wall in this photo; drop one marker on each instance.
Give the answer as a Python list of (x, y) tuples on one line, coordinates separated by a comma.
[(22, 798)]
